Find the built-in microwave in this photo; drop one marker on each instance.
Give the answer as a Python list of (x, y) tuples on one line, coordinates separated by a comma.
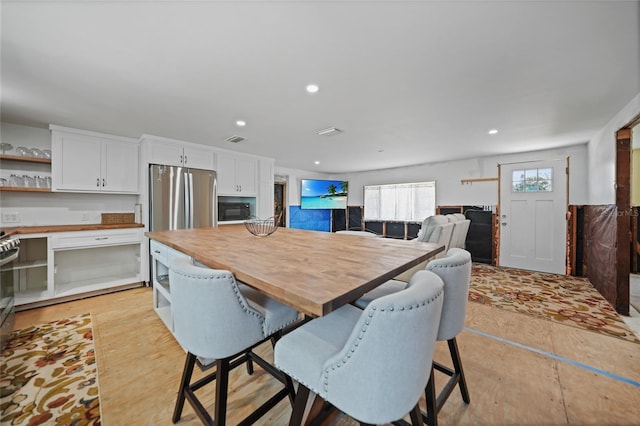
[(229, 211)]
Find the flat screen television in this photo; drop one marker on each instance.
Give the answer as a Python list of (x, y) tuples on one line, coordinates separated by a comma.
[(323, 194)]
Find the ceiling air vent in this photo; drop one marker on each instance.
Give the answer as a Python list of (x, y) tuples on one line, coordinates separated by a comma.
[(235, 139), (330, 131)]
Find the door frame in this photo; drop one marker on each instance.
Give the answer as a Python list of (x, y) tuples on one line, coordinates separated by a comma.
[(624, 239), (285, 203)]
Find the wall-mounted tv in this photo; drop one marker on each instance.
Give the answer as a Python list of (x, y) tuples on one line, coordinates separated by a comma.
[(323, 194)]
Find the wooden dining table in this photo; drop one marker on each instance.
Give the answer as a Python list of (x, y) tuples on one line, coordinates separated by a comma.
[(314, 272)]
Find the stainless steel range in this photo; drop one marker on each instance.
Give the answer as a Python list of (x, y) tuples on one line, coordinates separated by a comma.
[(9, 251)]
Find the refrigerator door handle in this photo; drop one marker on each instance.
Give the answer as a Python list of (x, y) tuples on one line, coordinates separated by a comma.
[(189, 200), (174, 195), (186, 201)]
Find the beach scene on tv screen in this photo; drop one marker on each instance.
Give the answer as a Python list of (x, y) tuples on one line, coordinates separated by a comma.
[(323, 194)]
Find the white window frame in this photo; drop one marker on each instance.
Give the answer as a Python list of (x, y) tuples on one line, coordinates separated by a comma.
[(400, 202)]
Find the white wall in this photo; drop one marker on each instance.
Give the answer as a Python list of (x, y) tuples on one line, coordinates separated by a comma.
[(450, 191), (26, 136), (602, 155)]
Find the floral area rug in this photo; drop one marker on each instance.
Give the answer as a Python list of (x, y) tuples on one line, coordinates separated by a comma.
[(49, 375), (560, 298)]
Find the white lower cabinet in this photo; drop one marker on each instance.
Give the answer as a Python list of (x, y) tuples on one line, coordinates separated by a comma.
[(65, 265), (161, 257)]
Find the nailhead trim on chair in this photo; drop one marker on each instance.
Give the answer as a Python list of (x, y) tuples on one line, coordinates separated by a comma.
[(448, 266), (236, 290), (361, 336)]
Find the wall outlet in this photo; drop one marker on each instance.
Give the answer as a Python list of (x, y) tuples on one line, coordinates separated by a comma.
[(11, 217)]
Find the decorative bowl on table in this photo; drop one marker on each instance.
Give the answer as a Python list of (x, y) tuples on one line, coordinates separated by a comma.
[(261, 227)]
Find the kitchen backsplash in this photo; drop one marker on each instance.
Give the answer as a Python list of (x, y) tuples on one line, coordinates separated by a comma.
[(37, 209)]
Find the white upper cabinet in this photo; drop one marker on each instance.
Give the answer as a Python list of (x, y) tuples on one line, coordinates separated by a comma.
[(236, 175), (179, 154), (92, 162), (265, 195)]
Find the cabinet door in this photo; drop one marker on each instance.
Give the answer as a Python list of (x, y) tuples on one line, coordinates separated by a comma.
[(265, 189), (246, 173), (226, 175), (236, 175), (169, 154), (76, 162), (120, 166), (198, 158)]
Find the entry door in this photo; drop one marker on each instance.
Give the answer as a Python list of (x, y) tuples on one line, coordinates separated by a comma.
[(533, 225)]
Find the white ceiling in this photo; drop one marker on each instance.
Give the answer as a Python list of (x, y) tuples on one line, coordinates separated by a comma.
[(408, 82)]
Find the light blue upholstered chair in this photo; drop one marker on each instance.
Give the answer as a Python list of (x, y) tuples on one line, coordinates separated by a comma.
[(217, 319), (429, 227), (455, 272), (460, 229), (435, 229), (369, 364)]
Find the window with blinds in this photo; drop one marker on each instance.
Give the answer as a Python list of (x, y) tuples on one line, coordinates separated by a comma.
[(401, 202)]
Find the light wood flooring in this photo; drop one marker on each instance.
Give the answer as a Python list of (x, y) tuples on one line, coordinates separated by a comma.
[(520, 370)]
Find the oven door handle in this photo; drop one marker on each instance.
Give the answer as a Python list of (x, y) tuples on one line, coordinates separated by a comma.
[(11, 257)]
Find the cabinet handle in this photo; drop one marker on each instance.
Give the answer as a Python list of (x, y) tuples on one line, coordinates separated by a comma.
[(98, 182), (104, 182), (101, 238), (157, 251), (180, 159), (185, 159)]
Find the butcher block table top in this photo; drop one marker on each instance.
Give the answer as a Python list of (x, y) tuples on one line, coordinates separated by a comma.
[(314, 272)]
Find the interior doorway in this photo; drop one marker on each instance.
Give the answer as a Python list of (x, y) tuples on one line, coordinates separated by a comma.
[(280, 203), (626, 245)]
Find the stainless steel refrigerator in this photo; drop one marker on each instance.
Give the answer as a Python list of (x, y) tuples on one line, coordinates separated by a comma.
[(181, 197)]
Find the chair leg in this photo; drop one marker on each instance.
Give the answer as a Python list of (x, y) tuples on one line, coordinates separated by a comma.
[(416, 416), (184, 385), (457, 365), (291, 388), (249, 366), (297, 415), (222, 384), (431, 418)]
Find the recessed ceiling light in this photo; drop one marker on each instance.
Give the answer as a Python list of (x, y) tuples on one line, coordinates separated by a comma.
[(312, 88), (241, 123), (493, 131), (316, 162)]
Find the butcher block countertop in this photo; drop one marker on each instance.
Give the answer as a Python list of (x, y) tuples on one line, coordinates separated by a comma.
[(314, 272), (67, 228)]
